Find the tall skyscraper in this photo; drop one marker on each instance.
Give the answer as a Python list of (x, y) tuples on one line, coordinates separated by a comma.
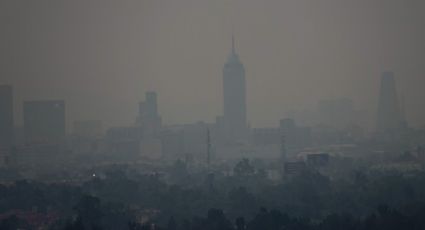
[(389, 119), (6, 116), (149, 118), (234, 96), (44, 121)]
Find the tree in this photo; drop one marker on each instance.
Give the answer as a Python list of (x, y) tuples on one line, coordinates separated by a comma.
[(172, 225), (10, 223), (89, 211), (240, 223)]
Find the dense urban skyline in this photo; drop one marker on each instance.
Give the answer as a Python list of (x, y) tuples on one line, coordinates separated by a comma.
[(212, 114), (101, 57)]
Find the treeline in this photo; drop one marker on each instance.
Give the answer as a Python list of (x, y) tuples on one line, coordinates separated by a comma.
[(384, 218), (309, 200)]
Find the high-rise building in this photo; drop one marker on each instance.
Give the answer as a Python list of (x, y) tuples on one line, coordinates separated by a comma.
[(234, 97), (389, 119), (44, 121), (6, 116), (149, 118)]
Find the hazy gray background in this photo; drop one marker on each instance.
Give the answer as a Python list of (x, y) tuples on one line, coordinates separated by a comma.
[(101, 56)]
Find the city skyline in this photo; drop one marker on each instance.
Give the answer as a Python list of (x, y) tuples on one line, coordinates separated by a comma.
[(288, 61), (212, 114)]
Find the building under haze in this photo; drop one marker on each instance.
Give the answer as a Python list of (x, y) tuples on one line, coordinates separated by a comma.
[(44, 121), (234, 97), (149, 117), (295, 136), (389, 118), (6, 116)]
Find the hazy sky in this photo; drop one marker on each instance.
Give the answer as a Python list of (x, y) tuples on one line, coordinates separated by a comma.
[(102, 55)]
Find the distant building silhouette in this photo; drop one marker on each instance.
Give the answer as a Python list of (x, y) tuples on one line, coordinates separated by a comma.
[(124, 142), (189, 141), (6, 116), (295, 136), (44, 121), (149, 118), (389, 119), (283, 150), (234, 96)]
